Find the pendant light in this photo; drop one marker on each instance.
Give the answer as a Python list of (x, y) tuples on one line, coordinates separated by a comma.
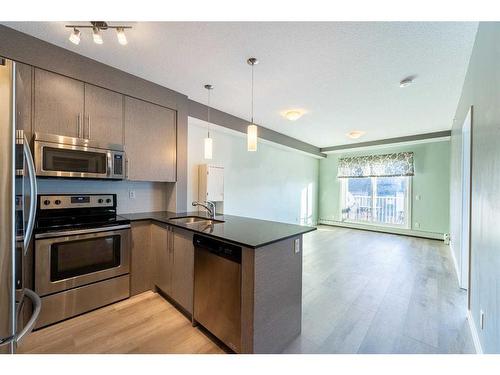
[(208, 144), (252, 128)]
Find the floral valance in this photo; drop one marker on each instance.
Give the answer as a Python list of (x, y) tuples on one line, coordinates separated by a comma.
[(387, 165)]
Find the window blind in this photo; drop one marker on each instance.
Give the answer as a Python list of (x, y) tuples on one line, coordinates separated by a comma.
[(386, 165)]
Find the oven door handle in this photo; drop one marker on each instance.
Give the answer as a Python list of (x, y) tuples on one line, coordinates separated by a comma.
[(81, 231), (33, 194)]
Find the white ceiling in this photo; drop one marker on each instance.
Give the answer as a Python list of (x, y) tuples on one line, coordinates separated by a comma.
[(344, 74)]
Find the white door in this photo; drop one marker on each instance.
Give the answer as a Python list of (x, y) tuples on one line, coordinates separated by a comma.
[(466, 200)]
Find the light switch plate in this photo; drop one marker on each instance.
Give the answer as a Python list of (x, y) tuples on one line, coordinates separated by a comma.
[(296, 245)]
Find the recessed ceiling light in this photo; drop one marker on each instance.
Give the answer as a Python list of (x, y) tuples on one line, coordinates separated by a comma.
[(406, 82), (293, 114), (355, 134)]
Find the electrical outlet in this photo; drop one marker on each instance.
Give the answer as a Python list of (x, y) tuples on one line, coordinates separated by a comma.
[(296, 245), (417, 225), (131, 194), (481, 319)]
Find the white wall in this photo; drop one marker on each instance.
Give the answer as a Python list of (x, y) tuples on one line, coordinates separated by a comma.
[(268, 184), (149, 196)]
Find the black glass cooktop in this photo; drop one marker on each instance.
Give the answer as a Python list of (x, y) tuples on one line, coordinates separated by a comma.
[(71, 216), (74, 222)]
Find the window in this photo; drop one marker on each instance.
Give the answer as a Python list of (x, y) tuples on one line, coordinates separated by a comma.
[(375, 188), (376, 200)]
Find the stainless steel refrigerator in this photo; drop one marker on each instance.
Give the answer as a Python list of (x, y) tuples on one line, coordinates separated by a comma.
[(17, 217)]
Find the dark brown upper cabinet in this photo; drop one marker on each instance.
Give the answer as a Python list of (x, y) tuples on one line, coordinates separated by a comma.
[(150, 141), (65, 106), (59, 104), (103, 119)]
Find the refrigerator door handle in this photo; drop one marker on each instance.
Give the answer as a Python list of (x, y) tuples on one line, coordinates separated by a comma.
[(37, 305), (33, 194)]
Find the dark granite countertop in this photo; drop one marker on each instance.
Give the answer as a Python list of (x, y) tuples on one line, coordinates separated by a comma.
[(239, 230)]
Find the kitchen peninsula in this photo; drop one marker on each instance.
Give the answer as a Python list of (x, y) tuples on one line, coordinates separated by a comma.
[(268, 299)]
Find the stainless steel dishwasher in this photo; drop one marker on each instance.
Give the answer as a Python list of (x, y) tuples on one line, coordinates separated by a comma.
[(217, 289)]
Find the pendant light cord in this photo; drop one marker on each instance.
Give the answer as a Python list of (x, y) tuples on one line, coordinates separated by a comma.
[(252, 93), (208, 115)]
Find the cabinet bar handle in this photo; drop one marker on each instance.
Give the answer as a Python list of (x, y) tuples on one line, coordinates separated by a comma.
[(79, 125), (88, 133)]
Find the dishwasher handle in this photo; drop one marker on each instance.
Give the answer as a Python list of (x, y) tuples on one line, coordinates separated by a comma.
[(222, 249)]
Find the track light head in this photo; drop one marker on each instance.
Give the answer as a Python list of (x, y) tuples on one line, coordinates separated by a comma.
[(97, 36), (74, 37), (120, 34)]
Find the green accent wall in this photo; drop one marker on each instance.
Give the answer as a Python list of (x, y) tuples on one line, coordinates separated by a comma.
[(431, 182)]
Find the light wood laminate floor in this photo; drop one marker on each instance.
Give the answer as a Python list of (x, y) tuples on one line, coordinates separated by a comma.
[(145, 323), (368, 292), (363, 292)]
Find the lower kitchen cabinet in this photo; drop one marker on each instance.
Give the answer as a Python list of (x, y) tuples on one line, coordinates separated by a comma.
[(182, 268), (142, 258), (162, 256), (174, 263), (161, 245)]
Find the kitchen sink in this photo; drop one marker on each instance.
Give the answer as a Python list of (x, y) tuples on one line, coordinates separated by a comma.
[(194, 220)]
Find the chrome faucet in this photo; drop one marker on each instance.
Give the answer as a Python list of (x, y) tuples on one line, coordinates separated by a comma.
[(209, 206)]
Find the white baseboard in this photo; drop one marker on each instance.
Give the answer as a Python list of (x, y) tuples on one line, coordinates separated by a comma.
[(473, 331), (407, 232)]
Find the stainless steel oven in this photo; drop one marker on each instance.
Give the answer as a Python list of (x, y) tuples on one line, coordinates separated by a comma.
[(59, 156), (81, 254), (74, 258)]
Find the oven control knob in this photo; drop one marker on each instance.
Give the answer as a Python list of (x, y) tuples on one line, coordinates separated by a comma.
[(100, 200), (46, 202), (108, 200), (57, 201)]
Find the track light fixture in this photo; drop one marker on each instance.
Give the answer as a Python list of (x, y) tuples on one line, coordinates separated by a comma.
[(97, 28)]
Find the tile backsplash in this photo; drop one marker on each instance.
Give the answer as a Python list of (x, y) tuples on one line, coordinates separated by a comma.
[(149, 196)]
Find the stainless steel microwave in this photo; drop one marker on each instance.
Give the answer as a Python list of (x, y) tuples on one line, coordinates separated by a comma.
[(60, 156)]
